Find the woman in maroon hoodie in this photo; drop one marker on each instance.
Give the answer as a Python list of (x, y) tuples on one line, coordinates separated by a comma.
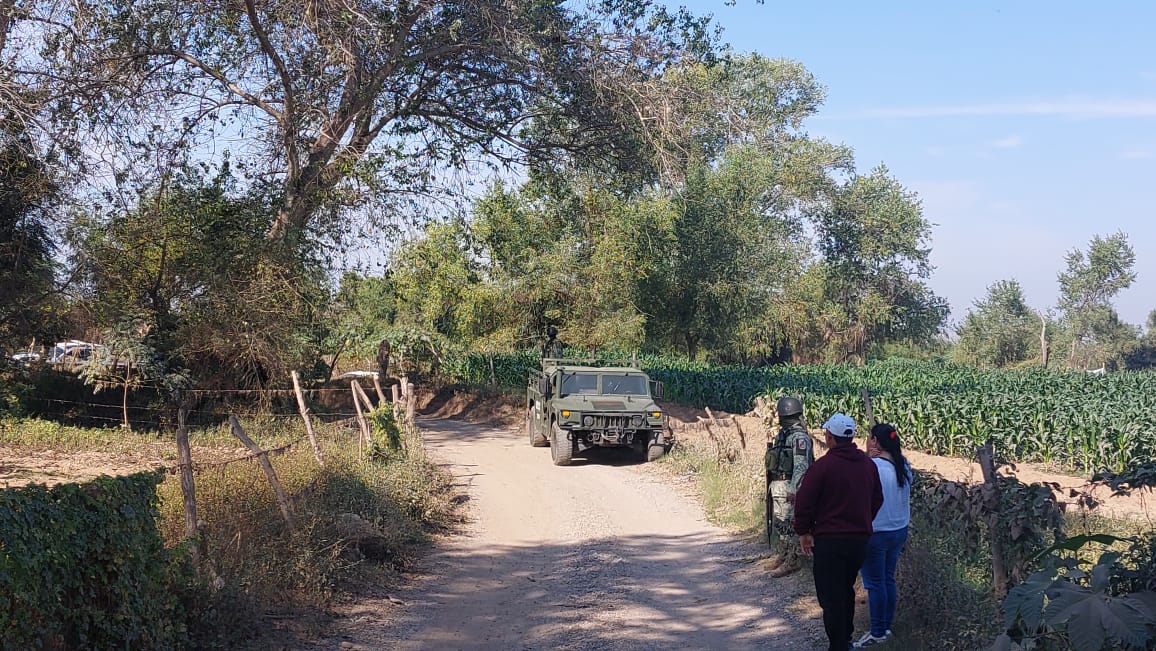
[(834, 507)]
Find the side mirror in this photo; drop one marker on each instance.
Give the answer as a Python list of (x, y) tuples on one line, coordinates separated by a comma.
[(544, 386), (658, 392)]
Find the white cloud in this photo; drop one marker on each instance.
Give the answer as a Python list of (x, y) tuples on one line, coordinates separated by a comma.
[(1137, 153), (1072, 107), (1010, 142)]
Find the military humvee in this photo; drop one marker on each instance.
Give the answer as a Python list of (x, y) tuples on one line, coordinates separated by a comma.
[(575, 405)]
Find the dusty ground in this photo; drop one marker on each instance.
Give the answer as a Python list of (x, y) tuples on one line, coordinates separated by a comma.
[(599, 555), (22, 466)]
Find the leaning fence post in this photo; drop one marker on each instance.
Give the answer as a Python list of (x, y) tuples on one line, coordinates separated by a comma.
[(363, 425), (377, 387), (188, 486), (263, 459), (305, 417)]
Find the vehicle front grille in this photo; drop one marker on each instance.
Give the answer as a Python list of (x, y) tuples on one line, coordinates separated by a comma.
[(610, 422)]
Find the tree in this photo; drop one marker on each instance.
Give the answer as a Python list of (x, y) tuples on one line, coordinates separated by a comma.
[(191, 261), (27, 269), (128, 361), (1087, 288), (874, 240), (1000, 330), (338, 101)]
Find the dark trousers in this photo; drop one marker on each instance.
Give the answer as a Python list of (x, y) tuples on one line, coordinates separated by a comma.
[(837, 562)]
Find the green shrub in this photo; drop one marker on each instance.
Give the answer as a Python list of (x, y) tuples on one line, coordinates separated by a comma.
[(82, 566)]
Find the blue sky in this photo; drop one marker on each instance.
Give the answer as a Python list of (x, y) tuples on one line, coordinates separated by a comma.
[(1025, 127)]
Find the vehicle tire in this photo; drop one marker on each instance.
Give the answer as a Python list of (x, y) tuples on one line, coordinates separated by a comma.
[(655, 451), (561, 449), (536, 439)]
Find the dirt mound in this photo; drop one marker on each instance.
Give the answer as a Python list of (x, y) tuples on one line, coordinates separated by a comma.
[(462, 403)]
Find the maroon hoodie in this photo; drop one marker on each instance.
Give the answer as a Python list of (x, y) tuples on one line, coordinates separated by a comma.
[(839, 495)]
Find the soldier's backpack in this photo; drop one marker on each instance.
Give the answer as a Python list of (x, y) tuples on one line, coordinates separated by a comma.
[(780, 457)]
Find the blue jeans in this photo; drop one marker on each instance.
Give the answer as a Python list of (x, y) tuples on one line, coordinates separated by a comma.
[(879, 577)]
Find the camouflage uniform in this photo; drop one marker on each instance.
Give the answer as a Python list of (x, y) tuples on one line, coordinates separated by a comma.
[(788, 457), (552, 349)]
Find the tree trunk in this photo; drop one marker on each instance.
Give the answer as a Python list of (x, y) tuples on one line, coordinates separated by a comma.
[(1044, 341)]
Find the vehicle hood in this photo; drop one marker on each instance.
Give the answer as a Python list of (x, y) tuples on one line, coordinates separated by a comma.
[(609, 404)]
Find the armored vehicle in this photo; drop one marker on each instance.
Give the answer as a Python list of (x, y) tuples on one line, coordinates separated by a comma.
[(576, 405)]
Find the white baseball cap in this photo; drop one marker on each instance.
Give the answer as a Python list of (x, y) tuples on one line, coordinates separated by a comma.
[(840, 425)]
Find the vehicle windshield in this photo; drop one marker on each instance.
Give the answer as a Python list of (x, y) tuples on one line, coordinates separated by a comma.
[(582, 384), (623, 385)]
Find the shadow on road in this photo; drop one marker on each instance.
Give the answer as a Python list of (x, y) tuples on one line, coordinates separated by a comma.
[(646, 592)]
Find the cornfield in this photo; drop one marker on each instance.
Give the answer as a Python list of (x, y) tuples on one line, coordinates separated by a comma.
[(1072, 420)]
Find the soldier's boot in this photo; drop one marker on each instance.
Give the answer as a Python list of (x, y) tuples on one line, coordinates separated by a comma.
[(773, 562), (785, 568)]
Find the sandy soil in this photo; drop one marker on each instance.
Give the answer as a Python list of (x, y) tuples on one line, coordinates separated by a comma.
[(599, 555)]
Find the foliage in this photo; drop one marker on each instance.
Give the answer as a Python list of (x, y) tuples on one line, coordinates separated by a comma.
[(1027, 517), (192, 265), (331, 99), (1086, 289), (28, 296), (1076, 420), (1001, 331), (401, 498), (386, 439), (1064, 606), (874, 241), (126, 360), (84, 567)]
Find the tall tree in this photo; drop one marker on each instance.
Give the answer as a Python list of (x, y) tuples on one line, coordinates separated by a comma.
[(875, 247), (338, 100), (1087, 287), (27, 290), (1000, 330)]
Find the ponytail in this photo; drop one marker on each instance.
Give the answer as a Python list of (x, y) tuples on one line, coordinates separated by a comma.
[(888, 439)]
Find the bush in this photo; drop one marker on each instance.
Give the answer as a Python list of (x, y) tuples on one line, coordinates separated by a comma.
[(82, 566)]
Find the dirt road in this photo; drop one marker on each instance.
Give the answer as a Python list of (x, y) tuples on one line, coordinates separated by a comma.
[(600, 555)]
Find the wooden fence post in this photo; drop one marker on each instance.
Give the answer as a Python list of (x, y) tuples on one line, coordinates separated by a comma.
[(263, 459), (363, 425), (867, 406), (410, 409), (188, 486), (305, 417), (999, 577), (377, 387), (396, 391)]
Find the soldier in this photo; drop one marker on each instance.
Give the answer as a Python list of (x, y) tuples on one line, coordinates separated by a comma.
[(553, 348), (789, 455)]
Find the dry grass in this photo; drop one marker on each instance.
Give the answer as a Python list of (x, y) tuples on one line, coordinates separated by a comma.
[(258, 567)]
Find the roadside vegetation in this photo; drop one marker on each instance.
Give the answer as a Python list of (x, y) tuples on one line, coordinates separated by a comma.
[(212, 198), (359, 520)]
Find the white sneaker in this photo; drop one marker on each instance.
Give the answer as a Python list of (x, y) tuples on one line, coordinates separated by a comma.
[(870, 640)]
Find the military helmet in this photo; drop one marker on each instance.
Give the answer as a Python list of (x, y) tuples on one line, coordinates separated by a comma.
[(788, 406)]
